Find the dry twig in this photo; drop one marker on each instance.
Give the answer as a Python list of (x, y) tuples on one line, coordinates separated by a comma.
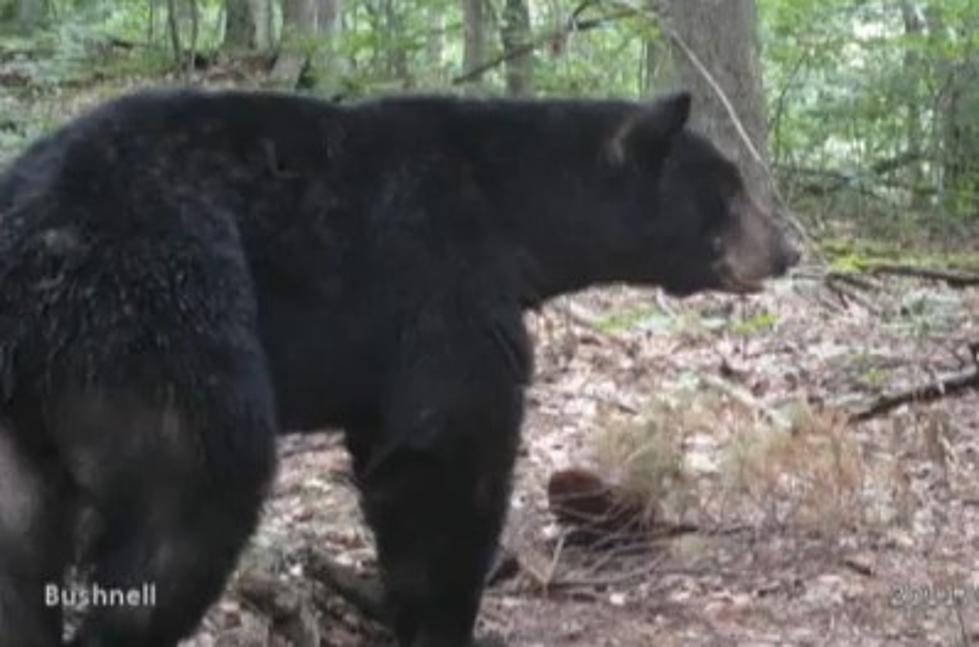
[(948, 385)]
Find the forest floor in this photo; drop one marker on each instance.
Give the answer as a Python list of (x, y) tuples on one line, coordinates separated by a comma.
[(773, 516), (827, 532)]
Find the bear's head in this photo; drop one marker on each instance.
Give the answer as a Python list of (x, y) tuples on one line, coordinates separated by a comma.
[(694, 224)]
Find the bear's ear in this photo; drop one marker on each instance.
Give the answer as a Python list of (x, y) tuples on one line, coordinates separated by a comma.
[(663, 118), (670, 113)]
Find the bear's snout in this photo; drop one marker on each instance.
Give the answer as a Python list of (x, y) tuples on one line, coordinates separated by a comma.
[(756, 247)]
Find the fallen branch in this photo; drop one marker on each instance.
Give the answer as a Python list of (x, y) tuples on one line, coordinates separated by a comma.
[(852, 279), (953, 278), (946, 386), (840, 284)]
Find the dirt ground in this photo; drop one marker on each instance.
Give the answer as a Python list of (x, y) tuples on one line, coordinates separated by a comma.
[(876, 545)]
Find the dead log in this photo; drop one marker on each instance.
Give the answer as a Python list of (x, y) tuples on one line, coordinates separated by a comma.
[(946, 386), (955, 279)]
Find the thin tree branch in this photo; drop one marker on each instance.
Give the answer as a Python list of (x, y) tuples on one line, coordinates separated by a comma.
[(776, 122), (678, 40), (573, 25)]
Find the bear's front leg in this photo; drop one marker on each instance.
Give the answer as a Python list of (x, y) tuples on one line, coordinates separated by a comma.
[(437, 486)]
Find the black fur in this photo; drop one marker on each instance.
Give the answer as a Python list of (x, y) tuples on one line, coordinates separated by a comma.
[(184, 274)]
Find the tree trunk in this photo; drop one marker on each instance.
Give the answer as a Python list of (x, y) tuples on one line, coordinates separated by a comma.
[(248, 24), (292, 63), (194, 31), (326, 65), (474, 47), (241, 25), (435, 41), (722, 35), (307, 57), (327, 12), (515, 33), (941, 72), (151, 22), (914, 25), (396, 56), (310, 16), (957, 136), (173, 27), (298, 17), (30, 14)]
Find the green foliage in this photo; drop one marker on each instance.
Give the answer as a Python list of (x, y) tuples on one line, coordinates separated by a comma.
[(757, 323), (862, 254), (866, 99), (871, 109), (631, 319)]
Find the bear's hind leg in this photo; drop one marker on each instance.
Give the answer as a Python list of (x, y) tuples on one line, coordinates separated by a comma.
[(164, 414), (34, 545), (173, 525)]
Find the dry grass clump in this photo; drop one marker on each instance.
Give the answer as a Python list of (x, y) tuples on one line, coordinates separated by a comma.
[(645, 457), (809, 474), (798, 466)]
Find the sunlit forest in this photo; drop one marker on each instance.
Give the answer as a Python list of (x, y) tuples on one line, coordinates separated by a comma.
[(797, 467)]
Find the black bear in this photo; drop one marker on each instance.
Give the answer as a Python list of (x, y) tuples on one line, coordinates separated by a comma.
[(184, 274)]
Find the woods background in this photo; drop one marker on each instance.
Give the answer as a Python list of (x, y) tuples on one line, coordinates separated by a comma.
[(864, 109)]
